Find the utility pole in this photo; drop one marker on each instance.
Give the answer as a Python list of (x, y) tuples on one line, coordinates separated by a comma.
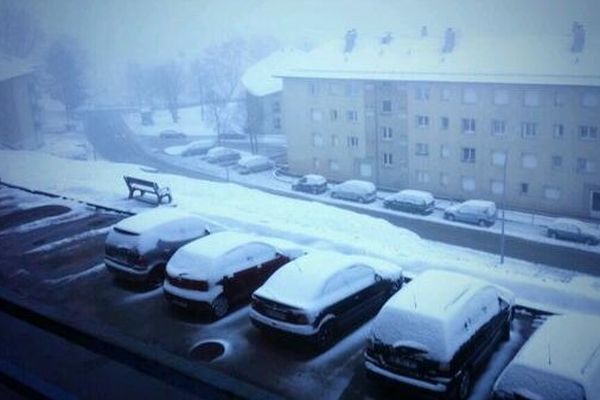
[(502, 236)]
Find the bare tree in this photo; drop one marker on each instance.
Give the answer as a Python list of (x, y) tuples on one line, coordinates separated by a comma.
[(65, 65), (168, 83), (20, 32)]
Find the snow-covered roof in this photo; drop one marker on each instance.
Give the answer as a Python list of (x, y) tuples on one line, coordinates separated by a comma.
[(560, 356), (416, 196), (439, 310), (254, 160), (152, 219), (357, 186), (475, 58), (301, 283), (11, 68), (259, 79), (315, 179)]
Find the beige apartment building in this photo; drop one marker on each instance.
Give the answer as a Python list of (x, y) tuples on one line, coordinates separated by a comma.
[(482, 118)]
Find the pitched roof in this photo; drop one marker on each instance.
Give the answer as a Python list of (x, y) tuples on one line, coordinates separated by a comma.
[(260, 79)]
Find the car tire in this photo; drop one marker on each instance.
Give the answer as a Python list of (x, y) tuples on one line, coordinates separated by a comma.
[(219, 307), (589, 241), (482, 223), (464, 386), (450, 217), (325, 336), (552, 234)]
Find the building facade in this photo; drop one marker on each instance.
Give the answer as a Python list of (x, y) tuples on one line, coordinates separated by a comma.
[(263, 114)]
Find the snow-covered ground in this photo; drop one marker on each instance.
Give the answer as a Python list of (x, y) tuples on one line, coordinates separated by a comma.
[(310, 224)]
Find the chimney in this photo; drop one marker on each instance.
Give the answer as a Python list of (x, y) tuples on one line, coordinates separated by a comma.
[(387, 38), (423, 31), (449, 40), (350, 40), (578, 37)]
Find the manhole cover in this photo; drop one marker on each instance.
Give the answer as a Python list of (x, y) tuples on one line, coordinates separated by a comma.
[(207, 351)]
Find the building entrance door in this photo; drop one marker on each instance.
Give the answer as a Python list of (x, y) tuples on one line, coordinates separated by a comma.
[(595, 204)]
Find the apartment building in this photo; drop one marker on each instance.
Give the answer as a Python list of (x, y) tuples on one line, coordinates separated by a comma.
[(494, 118)]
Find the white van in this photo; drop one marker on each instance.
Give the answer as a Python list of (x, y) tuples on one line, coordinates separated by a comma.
[(254, 164), (435, 333), (560, 361)]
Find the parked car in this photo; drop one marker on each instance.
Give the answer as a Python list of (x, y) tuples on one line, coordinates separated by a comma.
[(197, 148), (310, 184), (572, 229), (252, 164), (319, 295), (414, 201), (138, 248), (172, 134), (437, 332), (480, 212), (222, 155), (355, 190), (560, 361), (224, 268)]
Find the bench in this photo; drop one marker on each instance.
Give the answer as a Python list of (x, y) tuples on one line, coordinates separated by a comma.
[(143, 186)]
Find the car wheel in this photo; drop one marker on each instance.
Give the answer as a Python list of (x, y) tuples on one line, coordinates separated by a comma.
[(482, 223), (552, 234), (220, 306), (325, 336), (464, 387), (450, 217), (334, 195)]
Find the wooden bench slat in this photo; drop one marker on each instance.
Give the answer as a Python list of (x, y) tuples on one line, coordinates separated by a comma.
[(144, 186)]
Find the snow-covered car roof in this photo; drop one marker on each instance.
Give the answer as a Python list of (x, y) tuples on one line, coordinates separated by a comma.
[(580, 224), (479, 203), (439, 311), (153, 219), (215, 151), (313, 179), (355, 185), (301, 283), (410, 195), (561, 355), (249, 161)]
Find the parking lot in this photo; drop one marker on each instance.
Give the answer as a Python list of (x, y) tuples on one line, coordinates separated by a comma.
[(53, 251)]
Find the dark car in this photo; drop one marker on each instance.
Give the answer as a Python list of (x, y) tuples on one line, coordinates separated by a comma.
[(210, 274), (574, 230), (138, 248), (413, 201), (434, 335), (310, 183), (318, 296)]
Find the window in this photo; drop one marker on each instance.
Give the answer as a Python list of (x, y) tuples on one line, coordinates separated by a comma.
[(315, 114), (551, 192), (559, 99), (276, 107), (532, 98), (444, 123), (468, 125), (386, 106), (444, 151), (277, 123), (422, 93), (316, 163), (351, 89), (524, 188), (497, 187), (445, 94), (422, 149), (422, 121), (444, 179), (388, 159), (500, 97), (386, 133), (333, 165), (469, 96), (468, 155), (313, 88), (422, 176), (335, 141), (558, 131), (589, 100), (352, 141), (528, 129), (557, 162), (366, 170), (335, 89), (317, 140), (498, 158), (498, 127), (528, 160), (333, 114), (585, 166), (467, 183), (352, 115), (588, 132)]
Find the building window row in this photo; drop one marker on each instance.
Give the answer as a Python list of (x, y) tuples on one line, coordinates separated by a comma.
[(316, 115)]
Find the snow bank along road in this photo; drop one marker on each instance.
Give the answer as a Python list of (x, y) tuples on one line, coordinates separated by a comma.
[(113, 139), (53, 255)]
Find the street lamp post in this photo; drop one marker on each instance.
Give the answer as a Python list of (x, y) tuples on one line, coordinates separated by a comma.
[(502, 236)]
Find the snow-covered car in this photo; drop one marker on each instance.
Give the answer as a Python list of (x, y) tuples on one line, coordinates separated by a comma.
[(572, 229), (221, 269), (560, 361), (480, 212), (310, 184), (355, 190), (256, 163), (172, 134), (222, 155), (197, 148), (437, 332), (414, 201), (316, 297), (138, 248)]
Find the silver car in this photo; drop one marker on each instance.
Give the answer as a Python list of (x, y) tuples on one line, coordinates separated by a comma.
[(572, 229), (355, 190), (480, 212)]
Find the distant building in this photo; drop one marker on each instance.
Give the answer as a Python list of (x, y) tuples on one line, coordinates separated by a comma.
[(448, 113), (19, 112)]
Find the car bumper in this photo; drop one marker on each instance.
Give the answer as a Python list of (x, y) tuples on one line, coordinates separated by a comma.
[(190, 299), (125, 272), (274, 326)]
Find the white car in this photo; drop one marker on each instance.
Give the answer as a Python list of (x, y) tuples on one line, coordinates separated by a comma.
[(222, 155), (480, 212), (355, 190), (572, 229), (256, 163)]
